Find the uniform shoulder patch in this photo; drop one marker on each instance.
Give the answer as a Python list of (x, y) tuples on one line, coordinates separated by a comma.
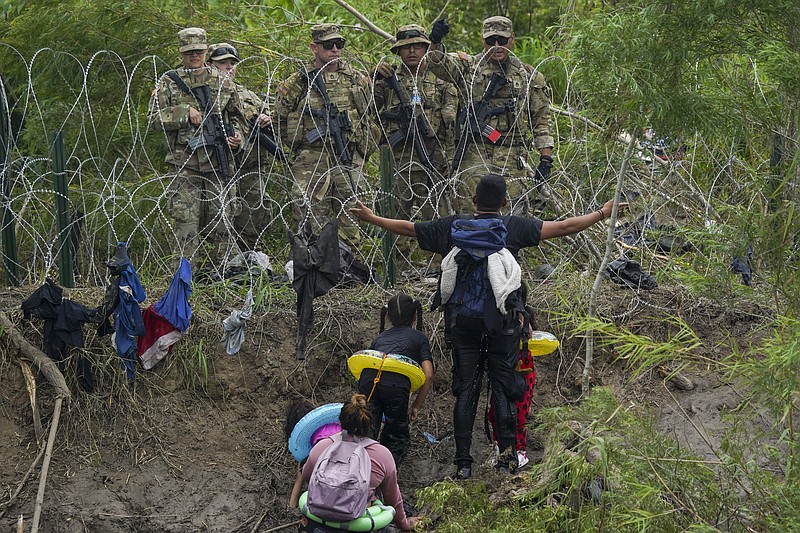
[(282, 88), (464, 56)]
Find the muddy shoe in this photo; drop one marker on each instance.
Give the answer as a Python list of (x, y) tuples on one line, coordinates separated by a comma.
[(464, 472), (507, 462)]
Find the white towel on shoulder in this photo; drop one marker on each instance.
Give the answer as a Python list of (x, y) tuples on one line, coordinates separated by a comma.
[(505, 276), (503, 271)]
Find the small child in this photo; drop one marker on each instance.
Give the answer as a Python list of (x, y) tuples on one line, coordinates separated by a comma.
[(296, 411), (527, 368), (389, 396)]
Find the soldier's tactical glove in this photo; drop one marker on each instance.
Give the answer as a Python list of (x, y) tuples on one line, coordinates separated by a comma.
[(544, 168), (382, 70), (440, 29)]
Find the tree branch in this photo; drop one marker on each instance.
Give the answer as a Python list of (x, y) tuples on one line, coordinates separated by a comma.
[(372, 27), (42, 362), (587, 367)]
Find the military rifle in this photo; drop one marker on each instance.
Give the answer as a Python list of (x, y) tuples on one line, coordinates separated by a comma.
[(334, 123), (266, 140), (214, 132), (405, 118), (408, 122), (472, 119)]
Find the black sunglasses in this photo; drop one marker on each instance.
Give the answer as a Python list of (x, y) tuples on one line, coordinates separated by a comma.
[(328, 45), (409, 34), (224, 50), (496, 39), (193, 52)]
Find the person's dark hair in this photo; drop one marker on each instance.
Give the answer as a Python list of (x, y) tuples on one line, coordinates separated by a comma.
[(298, 408), (401, 309), (355, 417), (490, 192)]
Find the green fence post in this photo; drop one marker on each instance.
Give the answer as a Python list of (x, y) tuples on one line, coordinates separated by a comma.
[(62, 211), (10, 262), (388, 210)]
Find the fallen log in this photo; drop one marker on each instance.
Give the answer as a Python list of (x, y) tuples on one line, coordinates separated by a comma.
[(28, 351)]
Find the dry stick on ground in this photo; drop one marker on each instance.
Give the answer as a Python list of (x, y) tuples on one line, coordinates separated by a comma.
[(56, 379), (37, 510), (30, 383), (587, 367), (21, 483), (284, 526)]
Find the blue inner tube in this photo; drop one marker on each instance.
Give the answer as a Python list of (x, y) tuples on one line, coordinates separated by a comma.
[(377, 516)]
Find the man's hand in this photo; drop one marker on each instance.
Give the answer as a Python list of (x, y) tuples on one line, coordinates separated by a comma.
[(195, 117), (263, 120), (606, 209), (361, 211), (383, 70), (439, 31), (413, 413), (235, 141), (544, 168)]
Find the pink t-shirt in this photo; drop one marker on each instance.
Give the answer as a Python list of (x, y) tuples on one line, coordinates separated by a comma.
[(384, 475)]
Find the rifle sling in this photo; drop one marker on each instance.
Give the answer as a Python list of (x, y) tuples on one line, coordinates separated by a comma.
[(203, 99)]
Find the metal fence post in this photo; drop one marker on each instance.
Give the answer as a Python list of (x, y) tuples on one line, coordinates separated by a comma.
[(10, 262), (388, 210), (62, 211)]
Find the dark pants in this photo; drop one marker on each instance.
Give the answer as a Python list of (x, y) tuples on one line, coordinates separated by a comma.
[(390, 401), (472, 348)]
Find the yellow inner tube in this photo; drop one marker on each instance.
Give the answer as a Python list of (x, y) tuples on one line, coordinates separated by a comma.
[(541, 343), (376, 360)]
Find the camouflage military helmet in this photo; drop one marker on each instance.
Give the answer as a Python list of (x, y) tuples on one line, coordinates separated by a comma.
[(220, 51), (497, 26), (326, 32), (410, 34), (192, 39)]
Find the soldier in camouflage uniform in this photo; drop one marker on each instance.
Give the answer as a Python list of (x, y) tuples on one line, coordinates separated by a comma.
[(198, 192), (254, 210), (418, 183), (323, 187), (523, 124)]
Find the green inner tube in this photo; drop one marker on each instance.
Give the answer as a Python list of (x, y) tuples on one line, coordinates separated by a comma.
[(378, 516)]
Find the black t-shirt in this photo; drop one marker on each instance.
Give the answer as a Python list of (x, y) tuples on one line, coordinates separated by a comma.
[(401, 340), (434, 236)]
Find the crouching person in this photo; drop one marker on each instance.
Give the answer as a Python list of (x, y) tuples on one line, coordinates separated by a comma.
[(346, 474)]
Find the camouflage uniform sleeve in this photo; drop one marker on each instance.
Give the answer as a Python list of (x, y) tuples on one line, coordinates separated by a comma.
[(453, 68), (449, 113), (233, 109), (539, 108), (372, 131), (165, 113), (251, 103), (379, 94), (287, 100)]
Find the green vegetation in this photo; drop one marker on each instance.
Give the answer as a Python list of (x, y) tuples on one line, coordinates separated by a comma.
[(721, 79)]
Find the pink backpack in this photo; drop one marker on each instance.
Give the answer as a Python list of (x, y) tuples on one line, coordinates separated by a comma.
[(338, 490)]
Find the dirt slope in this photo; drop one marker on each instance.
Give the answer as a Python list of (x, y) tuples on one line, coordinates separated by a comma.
[(158, 458)]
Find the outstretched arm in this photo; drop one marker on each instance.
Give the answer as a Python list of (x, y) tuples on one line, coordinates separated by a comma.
[(570, 226), (393, 225)]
